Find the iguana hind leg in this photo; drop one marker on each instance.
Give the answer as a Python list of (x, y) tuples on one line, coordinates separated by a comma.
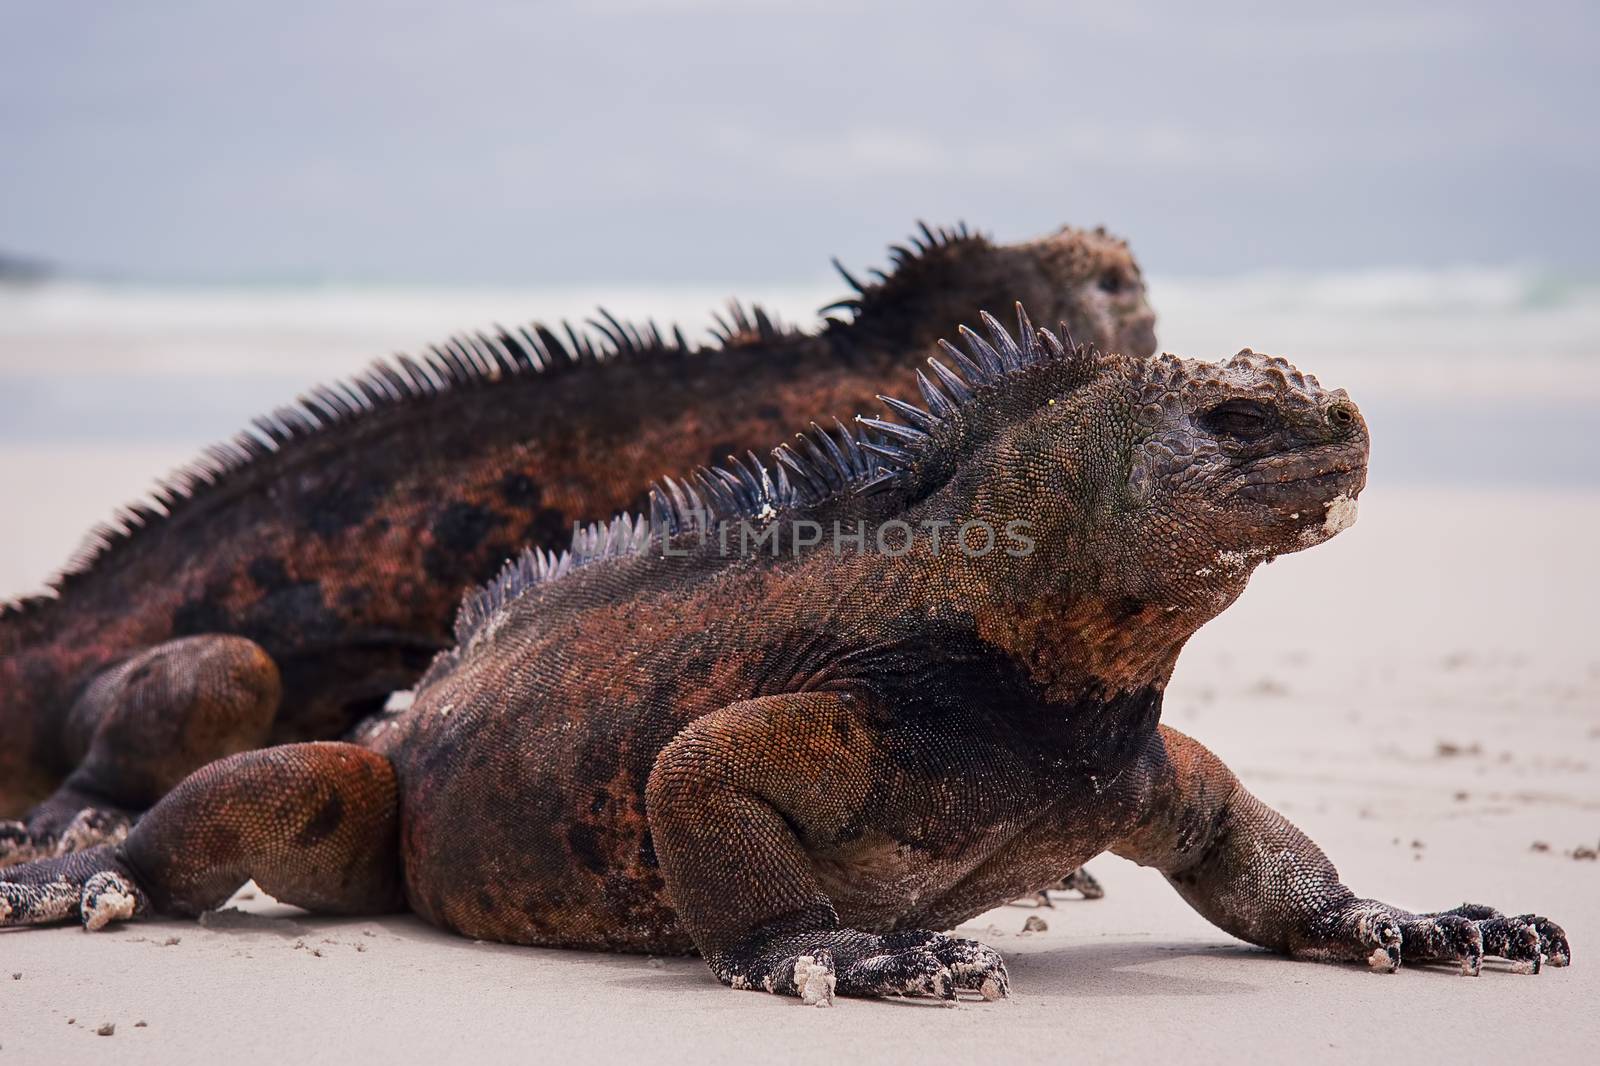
[(729, 801), (141, 727), (315, 825)]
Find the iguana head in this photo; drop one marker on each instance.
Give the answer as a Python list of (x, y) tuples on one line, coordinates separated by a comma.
[(1086, 279), (1235, 463), (1151, 489), (1172, 479)]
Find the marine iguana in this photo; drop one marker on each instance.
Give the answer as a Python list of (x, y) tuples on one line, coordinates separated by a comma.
[(805, 716), (280, 588)]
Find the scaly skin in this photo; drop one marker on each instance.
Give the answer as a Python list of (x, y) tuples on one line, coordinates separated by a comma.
[(804, 761), (341, 555)]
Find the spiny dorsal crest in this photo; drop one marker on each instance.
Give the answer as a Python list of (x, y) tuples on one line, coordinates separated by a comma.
[(623, 535), (926, 244), (478, 360), (749, 324), (820, 467)]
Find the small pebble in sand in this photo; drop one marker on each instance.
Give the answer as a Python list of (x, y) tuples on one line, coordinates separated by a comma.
[(172, 941), (361, 947), (654, 963), (141, 1024), (72, 1021), (16, 976), (1035, 924), (106, 1029), (1584, 853), (1449, 749), (1417, 845), (1539, 845), (1462, 797)]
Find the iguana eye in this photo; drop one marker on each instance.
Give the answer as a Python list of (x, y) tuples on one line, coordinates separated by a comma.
[(1111, 282), (1239, 419)]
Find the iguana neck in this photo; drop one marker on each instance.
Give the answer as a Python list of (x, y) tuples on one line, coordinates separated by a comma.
[(1078, 649), (1052, 607)]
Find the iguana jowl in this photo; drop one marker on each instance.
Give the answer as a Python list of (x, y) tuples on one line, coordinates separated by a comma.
[(806, 758), (279, 589)]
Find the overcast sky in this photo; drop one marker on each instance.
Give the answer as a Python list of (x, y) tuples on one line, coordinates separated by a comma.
[(696, 139)]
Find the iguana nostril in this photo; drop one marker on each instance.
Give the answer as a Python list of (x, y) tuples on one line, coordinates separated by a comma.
[(1341, 416)]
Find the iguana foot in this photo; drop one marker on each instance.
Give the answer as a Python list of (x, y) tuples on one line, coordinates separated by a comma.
[(92, 827), (59, 830), (16, 844), (1388, 937), (1528, 940), (94, 887), (1081, 881), (849, 963)]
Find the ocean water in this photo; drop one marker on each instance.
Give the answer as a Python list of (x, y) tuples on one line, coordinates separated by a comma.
[(1477, 319), (1468, 377)]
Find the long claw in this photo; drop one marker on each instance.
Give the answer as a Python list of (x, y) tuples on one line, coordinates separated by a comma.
[(1444, 938), (1553, 943), (1515, 939)]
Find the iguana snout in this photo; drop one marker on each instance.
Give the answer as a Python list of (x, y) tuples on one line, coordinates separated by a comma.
[(1297, 454)]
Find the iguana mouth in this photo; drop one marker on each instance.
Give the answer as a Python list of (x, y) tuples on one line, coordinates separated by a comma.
[(1318, 477)]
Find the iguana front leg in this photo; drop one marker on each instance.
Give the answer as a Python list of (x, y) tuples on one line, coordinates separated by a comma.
[(315, 825), (733, 802), (1248, 870), (141, 727)]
